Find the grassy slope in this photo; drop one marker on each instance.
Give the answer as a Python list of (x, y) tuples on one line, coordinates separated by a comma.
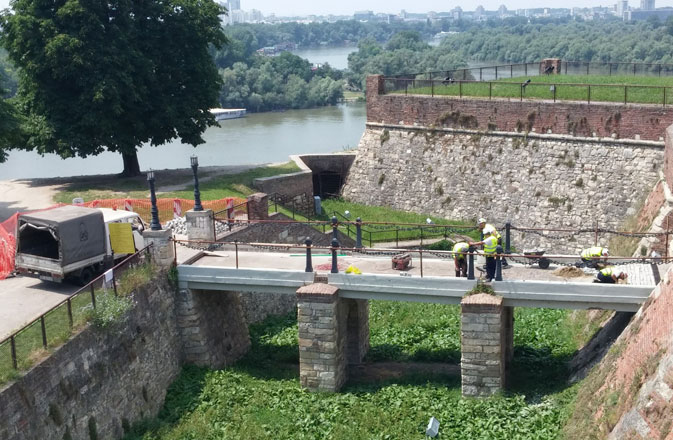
[(568, 87), (216, 187), (260, 396)]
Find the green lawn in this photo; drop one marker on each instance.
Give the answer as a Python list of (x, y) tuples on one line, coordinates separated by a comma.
[(212, 187), (260, 396), (640, 89)]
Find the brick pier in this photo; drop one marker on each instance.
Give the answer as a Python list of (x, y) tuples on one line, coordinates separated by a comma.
[(333, 332), (486, 344)]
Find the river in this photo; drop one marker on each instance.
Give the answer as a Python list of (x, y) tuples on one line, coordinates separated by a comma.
[(337, 57), (257, 138)]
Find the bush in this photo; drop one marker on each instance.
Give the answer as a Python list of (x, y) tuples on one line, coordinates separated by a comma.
[(109, 310)]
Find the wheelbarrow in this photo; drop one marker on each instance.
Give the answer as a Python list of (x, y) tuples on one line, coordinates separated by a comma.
[(537, 254)]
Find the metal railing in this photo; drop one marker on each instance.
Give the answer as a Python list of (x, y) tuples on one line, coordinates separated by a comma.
[(513, 70), (229, 216), (336, 250), (553, 91), (25, 346)]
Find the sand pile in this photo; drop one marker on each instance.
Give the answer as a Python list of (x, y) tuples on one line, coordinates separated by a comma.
[(569, 272)]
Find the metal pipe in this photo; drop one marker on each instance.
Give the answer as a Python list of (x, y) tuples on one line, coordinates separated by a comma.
[(44, 332)]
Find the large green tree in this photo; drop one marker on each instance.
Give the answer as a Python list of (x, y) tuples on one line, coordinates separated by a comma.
[(100, 75), (11, 133)]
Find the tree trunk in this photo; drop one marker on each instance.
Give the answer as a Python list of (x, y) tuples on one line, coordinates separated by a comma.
[(131, 165)]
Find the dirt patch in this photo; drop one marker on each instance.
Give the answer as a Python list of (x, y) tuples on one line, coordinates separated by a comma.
[(569, 272), (382, 371)]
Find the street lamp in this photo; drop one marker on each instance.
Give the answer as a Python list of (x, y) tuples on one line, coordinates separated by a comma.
[(197, 194), (155, 225)]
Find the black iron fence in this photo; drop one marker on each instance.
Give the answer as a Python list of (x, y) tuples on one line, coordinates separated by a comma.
[(515, 70), (26, 346), (552, 91)]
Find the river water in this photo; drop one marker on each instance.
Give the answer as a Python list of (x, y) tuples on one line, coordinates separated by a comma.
[(337, 57), (257, 138)]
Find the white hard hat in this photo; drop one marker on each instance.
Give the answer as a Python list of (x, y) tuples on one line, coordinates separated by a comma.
[(605, 252), (481, 220)]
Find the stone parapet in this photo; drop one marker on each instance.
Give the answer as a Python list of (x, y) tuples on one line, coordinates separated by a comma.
[(162, 250), (200, 225), (484, 345)]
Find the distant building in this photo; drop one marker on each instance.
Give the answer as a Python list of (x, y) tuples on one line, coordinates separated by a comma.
[(662, 14), (233, 5), (647, 5), (622, 7), (363, 15), (457, 13)]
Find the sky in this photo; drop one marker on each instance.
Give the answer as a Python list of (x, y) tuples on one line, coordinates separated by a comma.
[(347, 7)]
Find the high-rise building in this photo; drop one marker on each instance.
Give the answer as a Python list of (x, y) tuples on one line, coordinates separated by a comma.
[(622, 6), (233, 5), (647, 5)]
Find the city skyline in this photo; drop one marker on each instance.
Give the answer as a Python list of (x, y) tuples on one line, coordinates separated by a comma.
[(348, 7)]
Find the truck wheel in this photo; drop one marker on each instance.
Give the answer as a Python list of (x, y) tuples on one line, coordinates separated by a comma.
[(85, 276)]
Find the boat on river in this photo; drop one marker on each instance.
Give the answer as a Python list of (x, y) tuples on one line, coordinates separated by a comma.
[(227, 113)]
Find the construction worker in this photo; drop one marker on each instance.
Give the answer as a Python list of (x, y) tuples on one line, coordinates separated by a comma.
[(484, 227), (460, 259), (610, 275), (593, 256), (490, 243)]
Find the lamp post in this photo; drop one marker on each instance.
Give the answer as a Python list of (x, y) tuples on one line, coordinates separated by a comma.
[(155, 225), (197, 194)]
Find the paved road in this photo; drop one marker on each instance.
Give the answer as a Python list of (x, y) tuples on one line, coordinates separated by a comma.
[(23, 299)]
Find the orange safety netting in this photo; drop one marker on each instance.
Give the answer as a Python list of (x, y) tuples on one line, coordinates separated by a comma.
[(168, 209)]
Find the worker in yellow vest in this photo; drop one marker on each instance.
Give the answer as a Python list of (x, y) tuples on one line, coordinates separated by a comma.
[(490, 243), (610, 275), (486, 227), (593, 256), (460, 250)]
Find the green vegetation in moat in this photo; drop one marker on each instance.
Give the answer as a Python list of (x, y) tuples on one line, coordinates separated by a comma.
[(260, 396), (29, 343), (568, 87)]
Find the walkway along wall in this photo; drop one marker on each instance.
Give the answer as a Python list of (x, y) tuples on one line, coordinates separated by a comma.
[(421, 154)]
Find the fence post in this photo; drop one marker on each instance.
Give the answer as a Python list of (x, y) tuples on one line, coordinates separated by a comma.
[(470, 263), (498, 263), (511, 70), (520, 92), (44, 332), (496, 73), (93, 297), (397, 237), (335, 246), (12, 344), (432, 88), (589, 94), (490, 86), (460, 89), (420, 253), (508, 227), (358, 233), (236, 248), (335, 225), (114, 282), (309, 262), (664, 104), (480, 73), (625, 87), (69, 313)]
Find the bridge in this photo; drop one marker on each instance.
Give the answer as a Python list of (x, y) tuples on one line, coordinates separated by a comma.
[(333, 307)]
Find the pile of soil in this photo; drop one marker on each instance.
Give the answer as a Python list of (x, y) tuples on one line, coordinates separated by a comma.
[(569, 272)]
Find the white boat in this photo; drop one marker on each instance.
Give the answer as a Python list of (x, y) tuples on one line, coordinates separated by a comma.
[(227, 113)]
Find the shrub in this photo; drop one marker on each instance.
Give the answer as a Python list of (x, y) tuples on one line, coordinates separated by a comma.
[(109, 310)]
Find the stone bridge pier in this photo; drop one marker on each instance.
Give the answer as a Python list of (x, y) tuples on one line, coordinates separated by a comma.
[(333, 333), (486, 339)]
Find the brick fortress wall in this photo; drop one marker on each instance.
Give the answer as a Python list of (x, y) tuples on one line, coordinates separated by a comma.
[(611, 120)]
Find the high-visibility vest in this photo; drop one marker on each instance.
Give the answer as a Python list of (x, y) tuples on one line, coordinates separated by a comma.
[(460, 247), (490, 245), (592, 252), (607, 271), (489, 227)]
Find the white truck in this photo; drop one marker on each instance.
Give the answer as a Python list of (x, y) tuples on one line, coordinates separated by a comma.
[(70, 242)]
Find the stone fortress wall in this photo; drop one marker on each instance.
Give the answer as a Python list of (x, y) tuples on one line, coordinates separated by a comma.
[(414, 157)]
